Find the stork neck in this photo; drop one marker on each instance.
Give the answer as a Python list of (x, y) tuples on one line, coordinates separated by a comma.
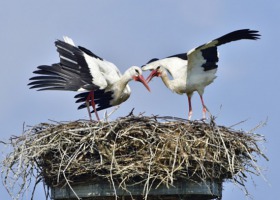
[(123, 81), (165, 79)]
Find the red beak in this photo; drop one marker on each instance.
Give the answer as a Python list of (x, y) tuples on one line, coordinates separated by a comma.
[(152, 75), (141, 79)]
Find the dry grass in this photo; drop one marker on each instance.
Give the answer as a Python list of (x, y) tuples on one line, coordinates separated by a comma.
[(130, 150)]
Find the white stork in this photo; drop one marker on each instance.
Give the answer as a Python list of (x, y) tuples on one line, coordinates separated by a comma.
[(194, 70), (81, 70)]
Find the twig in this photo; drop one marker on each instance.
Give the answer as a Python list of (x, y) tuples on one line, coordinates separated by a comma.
[(156, 150)]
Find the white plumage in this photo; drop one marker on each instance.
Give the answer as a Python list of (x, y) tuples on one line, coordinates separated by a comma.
[(81, 70), (194, 70)]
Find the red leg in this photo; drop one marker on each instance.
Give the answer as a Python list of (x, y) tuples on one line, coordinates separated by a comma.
[(190, 107), (88, 110), (91, 97), (204, 108)]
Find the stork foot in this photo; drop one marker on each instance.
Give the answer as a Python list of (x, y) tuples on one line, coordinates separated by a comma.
[(204, 113), (190, 115), (90, 98)]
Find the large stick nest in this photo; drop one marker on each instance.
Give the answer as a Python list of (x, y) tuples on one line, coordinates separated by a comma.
[(130, 150)]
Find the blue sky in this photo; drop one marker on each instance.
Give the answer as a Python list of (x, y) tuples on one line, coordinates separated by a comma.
[(130, 33)]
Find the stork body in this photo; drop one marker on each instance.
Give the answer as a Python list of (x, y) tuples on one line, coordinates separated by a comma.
[(81, 70), (194, 70)]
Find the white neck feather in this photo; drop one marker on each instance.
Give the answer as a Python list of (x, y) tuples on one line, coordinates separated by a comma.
[(120, 85), (169, 83)]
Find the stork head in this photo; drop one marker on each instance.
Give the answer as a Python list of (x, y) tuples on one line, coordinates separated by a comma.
[(136, 75), (157, 72), (155, 67)]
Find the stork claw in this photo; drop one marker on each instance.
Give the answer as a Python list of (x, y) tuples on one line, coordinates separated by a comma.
[(190, 115)]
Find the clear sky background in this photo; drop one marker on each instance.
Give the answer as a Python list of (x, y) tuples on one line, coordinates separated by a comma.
[(130, 33)]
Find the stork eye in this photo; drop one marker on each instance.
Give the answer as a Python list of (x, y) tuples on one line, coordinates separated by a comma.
[(136, 70), (158, 67)]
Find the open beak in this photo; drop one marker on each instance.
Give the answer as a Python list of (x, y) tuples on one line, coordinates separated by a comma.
[(141, 79), (152, 75)]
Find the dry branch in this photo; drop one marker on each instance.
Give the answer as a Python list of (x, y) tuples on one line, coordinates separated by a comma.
[(130, 150)]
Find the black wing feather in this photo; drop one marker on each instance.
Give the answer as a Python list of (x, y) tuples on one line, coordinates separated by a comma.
[(101, 98), (238, 35), (89, 52), (210, 52), (72, 73), (56, 77)]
